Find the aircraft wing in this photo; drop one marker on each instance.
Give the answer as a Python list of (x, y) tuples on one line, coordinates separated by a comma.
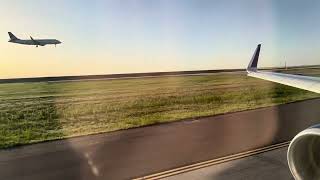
[(36, 42), (303, 82)]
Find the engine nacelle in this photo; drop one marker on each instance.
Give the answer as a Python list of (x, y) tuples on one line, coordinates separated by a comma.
[(304, 154)]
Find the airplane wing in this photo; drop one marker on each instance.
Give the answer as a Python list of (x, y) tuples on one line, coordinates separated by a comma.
[(303, 82), (36, 42)]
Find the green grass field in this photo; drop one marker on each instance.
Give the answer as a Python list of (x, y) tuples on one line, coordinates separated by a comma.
[(34, 112)]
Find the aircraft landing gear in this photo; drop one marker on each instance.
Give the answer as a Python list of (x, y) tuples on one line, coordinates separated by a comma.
[(36, 45)]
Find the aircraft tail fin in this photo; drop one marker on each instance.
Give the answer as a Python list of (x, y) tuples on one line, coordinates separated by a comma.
[(12, 37), (254, 61)]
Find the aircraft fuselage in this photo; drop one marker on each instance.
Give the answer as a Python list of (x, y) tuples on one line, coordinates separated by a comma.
[(40, 42), (31, 41)]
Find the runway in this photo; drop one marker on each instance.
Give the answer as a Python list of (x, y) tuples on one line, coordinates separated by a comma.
[(143, 151)]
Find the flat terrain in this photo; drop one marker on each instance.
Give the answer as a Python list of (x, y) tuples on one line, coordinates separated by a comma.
[(143, 151), (34, 112), (265, 166)]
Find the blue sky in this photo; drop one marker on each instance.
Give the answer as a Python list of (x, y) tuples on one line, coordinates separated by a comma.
[(122, 36)]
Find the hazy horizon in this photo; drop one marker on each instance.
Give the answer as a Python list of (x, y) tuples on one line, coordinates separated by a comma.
[(132, 36)]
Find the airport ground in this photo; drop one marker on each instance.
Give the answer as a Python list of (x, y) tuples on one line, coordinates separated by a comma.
[(216, 115), (264, 166), (140, 152), (42, 111)]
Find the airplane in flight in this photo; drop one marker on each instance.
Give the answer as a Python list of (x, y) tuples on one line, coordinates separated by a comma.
[(31, 41), (303, 153)]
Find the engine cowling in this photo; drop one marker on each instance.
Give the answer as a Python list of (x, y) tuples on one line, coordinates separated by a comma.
[(304, 154)]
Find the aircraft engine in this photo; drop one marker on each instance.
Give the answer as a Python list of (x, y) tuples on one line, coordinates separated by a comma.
[(304, 154)]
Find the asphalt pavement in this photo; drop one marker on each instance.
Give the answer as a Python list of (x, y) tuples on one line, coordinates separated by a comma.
[(142, 151), (264, 166)]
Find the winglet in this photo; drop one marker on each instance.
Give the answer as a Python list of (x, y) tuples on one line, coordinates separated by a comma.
[(252, 67)]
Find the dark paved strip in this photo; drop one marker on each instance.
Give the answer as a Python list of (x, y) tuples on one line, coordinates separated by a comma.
[(143, 151), (136, 75), (114, 76), (269, 165)]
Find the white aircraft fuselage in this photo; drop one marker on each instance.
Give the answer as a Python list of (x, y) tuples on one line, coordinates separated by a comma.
[(34, 42)]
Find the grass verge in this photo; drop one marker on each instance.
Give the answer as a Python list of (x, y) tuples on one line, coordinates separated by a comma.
[(35, 112)]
